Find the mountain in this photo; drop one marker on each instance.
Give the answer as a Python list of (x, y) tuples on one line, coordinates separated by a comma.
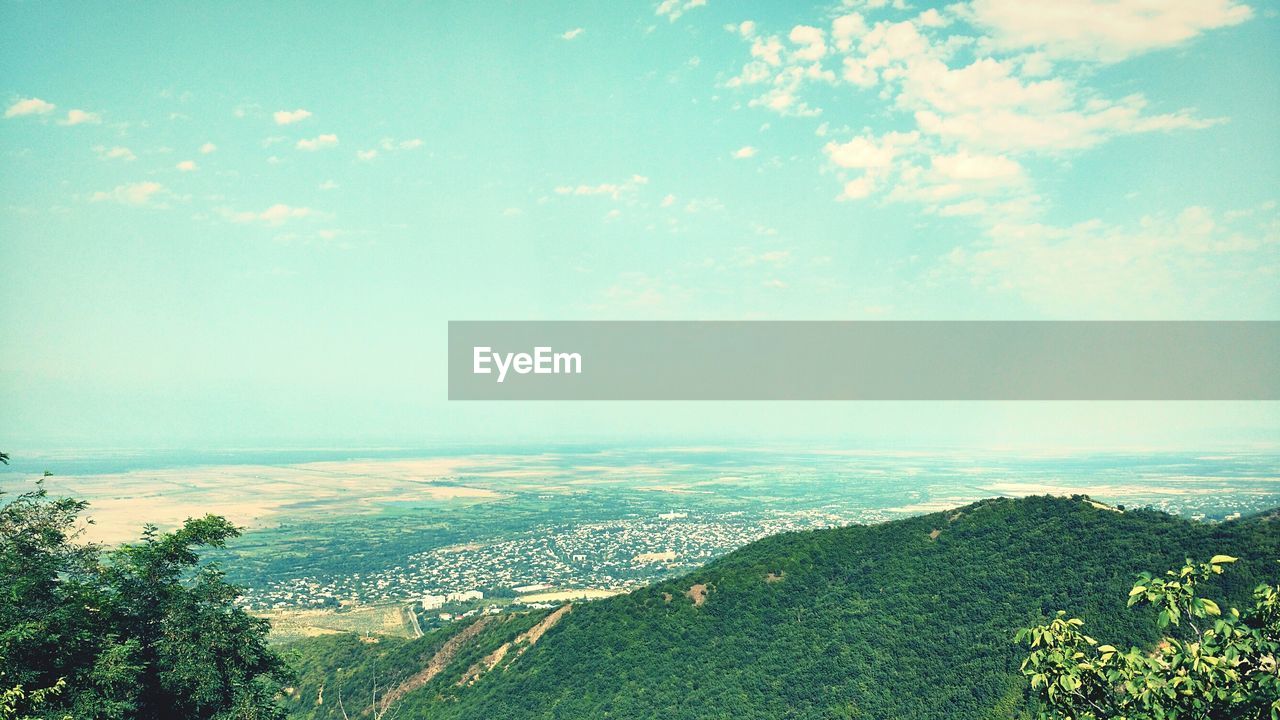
[(913, 618)]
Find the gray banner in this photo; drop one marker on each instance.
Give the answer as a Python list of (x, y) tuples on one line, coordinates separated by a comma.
[(787, 360)]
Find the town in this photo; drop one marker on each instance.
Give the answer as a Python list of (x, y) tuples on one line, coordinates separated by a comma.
[(617, 555)]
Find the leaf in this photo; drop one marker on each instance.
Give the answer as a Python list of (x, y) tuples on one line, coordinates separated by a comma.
[(1221, 559), (1137, 590)]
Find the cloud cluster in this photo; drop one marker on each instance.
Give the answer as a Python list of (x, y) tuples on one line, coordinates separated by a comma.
[(967, 109), (1149, 267), (614, 190), (138, 194), (971, 96), (389, 145), (1100, 30)]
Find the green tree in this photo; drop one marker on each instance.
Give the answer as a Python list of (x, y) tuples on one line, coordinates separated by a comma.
[(1210, 664), (139, 632)]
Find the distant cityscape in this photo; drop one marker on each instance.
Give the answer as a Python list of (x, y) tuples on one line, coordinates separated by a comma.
[(616, 555)]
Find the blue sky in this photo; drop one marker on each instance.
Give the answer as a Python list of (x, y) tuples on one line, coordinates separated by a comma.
[(242, 223)]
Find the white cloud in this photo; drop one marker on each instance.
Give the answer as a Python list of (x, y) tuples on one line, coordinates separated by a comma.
[(80, 117), (571, 34), (846, 28), (114, 153), (932, 18), (317, 143), (135, 194), (812, 42), (275, 215), (964, 166), (857, 188), (1009, 130), (1146, 269), (288, 117), (966, 183), (668, 201), (366, 155), (186, 166), (208, 148), (390, 144), (984, 84), (769, 50), (1101, 30), (327, 185), (979, 116), (744, 152), (868, 152), (29, 106), (673, 9), (613, 190)]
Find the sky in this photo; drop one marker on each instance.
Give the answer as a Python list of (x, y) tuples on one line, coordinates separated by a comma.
[(248, 224)]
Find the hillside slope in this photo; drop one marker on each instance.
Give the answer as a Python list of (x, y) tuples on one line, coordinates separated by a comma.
[(908, 619)]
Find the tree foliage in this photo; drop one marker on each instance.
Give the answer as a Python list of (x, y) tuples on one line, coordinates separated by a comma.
[(1211, 663), (142, 631)]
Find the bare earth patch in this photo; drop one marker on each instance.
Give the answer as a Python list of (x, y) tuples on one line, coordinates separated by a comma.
[(437, 663), (522, 643), (775, 577), (698, 594), (254, 495), (363, 620)]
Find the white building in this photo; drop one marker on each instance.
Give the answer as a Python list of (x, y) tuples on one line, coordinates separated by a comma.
[(432, 602), (466, 596)]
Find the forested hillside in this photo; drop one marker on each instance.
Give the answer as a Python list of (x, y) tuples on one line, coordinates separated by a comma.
[(909, 619)]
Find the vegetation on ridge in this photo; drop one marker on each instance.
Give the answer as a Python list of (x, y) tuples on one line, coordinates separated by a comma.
[(913, 618)]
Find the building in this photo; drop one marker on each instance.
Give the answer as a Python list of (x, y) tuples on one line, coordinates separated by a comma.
[(432, 602), (465, 596)]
